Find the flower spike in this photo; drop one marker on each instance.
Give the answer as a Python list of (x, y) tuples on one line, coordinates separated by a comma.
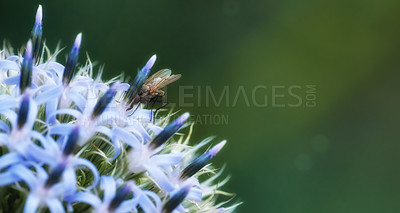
[(23, 111), (103, 102), (139, 80), (120, 196), (37, 34), (168, 131), (26, 69), (72, 141), (55, 175), (72, 60), (176, 199), (201, 161)]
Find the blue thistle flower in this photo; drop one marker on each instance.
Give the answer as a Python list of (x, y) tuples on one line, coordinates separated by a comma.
[(23, 111), (37, 35), (104, 101), (69, 139), (176, 199), (45, 190), (26, 69), (168, 131), (201, 161), (72, 60), (71, 142)]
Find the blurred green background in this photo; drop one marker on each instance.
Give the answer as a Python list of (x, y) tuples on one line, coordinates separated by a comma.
[(339, 156)]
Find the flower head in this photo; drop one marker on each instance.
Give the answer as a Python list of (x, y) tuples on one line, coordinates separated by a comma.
[(68, 139)]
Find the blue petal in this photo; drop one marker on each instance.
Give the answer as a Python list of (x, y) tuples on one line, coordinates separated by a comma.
[(84, 197), (128, 205), (74, 113), (31, 204), (179, 209), (53, 67), (10, 159), (6, 96), (195, 194), (8, 104), (100, 86), (33, 109), (14, 80), (24, 174), (15, 58), (41, 173), (143, 132), (51, 107), (52, 77), (61, 129), (50, 94), (91, 167), (123, 87), (117, 146), (81, 84), (127, 137), (47, 142), (78, 99), (147, 204), (167, 159), (7, 178), (142, 116), (55, 205), (108, 183), (104, 130), (156, 129), (12, 117), (4, 139), (8, 65), (69, 181), (33, 152), (4, 127), (111, 117), (160, 178)]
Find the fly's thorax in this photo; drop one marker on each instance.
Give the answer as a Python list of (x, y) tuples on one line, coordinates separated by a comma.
[(145, 88), (145, 99)]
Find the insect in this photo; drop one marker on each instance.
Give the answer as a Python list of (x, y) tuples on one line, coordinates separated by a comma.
[(151, 90)]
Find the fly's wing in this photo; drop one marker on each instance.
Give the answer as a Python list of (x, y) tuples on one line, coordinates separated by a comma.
[(165, 81), (164, 73)]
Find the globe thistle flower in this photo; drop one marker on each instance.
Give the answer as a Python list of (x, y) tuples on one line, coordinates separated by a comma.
[(146, 157), (72, 142)]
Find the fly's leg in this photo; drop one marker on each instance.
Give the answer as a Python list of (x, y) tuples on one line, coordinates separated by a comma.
[(164, 105), (153, 115), (137, 106)]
